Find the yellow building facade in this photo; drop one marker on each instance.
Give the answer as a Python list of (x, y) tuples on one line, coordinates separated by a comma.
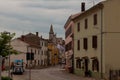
[(53, 52)]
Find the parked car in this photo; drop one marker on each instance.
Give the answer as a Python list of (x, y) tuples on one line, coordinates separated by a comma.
[(18, 69)]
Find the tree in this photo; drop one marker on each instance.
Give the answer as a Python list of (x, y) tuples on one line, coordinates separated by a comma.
[(5, 48)]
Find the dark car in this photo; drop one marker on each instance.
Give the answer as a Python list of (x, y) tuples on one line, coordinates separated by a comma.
[(18, 69)]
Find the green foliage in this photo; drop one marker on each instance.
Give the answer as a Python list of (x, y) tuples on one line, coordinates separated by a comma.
[(5, 47), (6, 78)]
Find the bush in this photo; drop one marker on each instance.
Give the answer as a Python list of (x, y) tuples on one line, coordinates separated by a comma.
[(6, 78), (90, 73)]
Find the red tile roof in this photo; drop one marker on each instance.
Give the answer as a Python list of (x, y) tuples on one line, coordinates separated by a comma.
[(32, 39)]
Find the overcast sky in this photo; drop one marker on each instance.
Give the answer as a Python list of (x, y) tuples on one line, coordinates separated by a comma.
[(24, 16)]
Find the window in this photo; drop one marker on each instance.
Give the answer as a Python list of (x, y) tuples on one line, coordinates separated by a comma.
[(31, 51), (78, 27), (41, 52), (94, 41), (86, 23), (44, 61), (42, 44), (38, 62), (78, 45), (45, 43), (45, 53), (35, 62), (38, 52), (85, 44), (95, 65), (41, 62), (95, 19), (78, 63)]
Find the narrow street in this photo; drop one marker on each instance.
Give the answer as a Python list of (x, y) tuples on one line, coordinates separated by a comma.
[(52, 73)]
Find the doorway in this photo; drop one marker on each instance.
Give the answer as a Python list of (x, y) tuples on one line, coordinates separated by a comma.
[(86, 68)]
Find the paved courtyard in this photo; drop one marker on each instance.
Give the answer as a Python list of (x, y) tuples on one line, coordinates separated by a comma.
[(51, 73)]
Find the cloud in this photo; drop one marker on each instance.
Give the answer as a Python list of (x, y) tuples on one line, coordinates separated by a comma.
[(22, 16)]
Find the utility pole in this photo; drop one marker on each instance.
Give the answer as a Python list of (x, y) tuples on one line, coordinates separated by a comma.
[(101, 43), (30, 64), (9, 57)]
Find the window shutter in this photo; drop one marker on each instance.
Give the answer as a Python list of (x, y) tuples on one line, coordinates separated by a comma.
[(85, 43), (86, 23), (95, 19), (78, 27), (78, 43), (94, 41)]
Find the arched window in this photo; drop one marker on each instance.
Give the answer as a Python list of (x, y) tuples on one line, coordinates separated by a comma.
[(78, 63), (95, 65)]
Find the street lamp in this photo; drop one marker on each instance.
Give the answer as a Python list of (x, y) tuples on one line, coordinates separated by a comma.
[(8, 53)]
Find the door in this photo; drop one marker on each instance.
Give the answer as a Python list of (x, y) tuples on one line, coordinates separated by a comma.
[(86, 67)]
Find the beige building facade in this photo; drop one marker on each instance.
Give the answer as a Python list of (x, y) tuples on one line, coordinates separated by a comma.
[(96, 43)]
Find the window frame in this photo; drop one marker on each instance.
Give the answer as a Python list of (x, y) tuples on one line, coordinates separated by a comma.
[(78, 45), (85, 43), (94, 41), (78, 63), (78, 26), (86, 23), (95, 19)]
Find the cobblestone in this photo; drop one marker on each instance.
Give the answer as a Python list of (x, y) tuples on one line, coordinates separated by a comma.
[(51, 73)]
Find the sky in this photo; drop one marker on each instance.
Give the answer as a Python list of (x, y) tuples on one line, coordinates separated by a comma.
[(25, 16)]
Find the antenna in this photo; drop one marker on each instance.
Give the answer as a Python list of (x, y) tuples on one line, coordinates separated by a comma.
[(93, 2)]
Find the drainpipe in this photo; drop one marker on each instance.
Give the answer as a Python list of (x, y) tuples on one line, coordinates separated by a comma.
[(101, 43), (73, 53)]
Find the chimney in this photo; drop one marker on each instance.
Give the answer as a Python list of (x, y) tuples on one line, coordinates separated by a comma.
[(37, 33), (23, 38), (82, 6)]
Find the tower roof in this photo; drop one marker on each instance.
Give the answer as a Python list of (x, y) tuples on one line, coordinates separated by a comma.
[(51, 29)]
